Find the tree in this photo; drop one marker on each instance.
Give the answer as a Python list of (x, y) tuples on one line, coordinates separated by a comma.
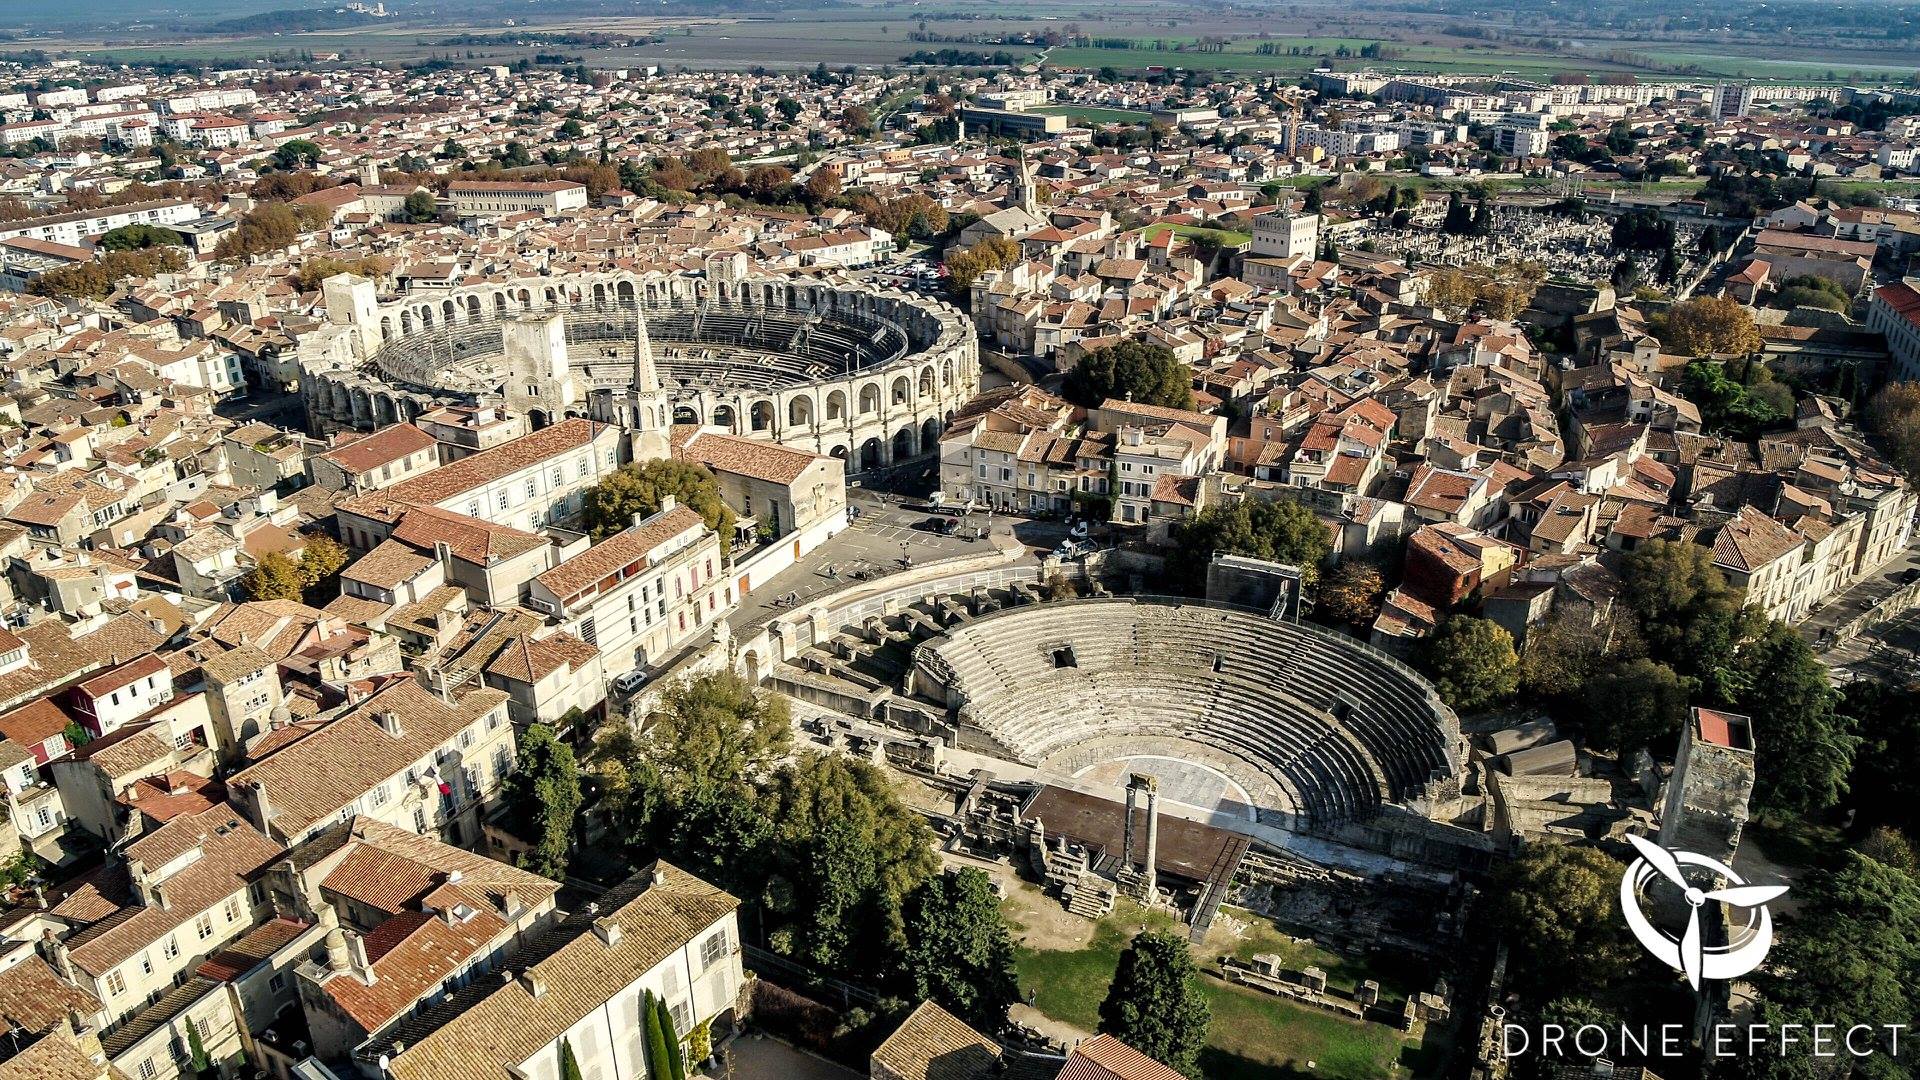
[(569, 1064), (964, 266), (1849, 955), (1278, 529), (1156, 1003), (1639, 704), (294, 153), (543, 795), (1736, 408), (97, 279), (788, 109), (197, 1057), (1351, 593), (659, 1066), (1709, 326), (1884, 788), (1569, 649), (687, 784), (822, 185), (571, 129), (269, 227), (846, 854), (1452, 291), (1560, 908), (1145, 373), (1894, 415), (320, 268), (676, 1064), (640, 489), (1689, 615), (1803, 747), (420, 207), (321, 561), (1471, 662), (274, 577), (764, 182), (138, 236), (958, 950)]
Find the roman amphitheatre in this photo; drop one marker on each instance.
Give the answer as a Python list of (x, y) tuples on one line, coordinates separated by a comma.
[(869, 375)]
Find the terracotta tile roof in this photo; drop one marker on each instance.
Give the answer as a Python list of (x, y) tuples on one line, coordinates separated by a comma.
[(1104, 1057), (747, 457), (1752, 540), (510, 1024), (609, 556), (56, 1056), (389, 444), (388, 566), (527, 660), (455, 479), (934, 1044), (313, 778), (469, 539), (34, 997), (247, 951), (231, 851), (412, 953), (391, 869)]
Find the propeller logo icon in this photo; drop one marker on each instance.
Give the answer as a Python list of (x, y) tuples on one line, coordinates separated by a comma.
[(1747, 945)]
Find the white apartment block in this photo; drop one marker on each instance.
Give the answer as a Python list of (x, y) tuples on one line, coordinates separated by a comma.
[(641, 593), (72, 228), (478, 198), (525, 483)]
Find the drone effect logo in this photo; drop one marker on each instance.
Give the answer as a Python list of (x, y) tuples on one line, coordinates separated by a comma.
[(1747, 944)]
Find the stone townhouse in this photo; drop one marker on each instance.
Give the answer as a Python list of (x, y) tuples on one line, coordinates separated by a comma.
[(525, 483), (664, 931), (405, 755), (134, 929), (405, 920), (642, 593)]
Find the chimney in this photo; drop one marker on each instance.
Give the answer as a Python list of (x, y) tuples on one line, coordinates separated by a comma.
[(357, 952), (388, 722), (58, 955), (667, 503), (607, 931), (659, 874), (536, 986)]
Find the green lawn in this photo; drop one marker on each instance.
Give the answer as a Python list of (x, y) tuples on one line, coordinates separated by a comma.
[(1227, 237), (1255, 1036)]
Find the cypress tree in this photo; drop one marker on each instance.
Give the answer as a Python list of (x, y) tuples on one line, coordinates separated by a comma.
[(569, 1065), (676, 1063), (658, 1065)]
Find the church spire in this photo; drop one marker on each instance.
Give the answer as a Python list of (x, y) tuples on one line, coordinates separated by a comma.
[(1023, 193)]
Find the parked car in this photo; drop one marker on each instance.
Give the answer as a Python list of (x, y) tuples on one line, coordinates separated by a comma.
[(630, 682)]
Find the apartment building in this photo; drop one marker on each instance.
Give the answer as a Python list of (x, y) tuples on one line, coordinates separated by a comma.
[(641, 593), (482, 198), (1895, 312), (405, 755), (524, 483), (664, 931), (132, 933), (74, 227)]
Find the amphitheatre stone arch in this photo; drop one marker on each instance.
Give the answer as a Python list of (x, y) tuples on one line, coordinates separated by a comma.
[(812, 365)]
